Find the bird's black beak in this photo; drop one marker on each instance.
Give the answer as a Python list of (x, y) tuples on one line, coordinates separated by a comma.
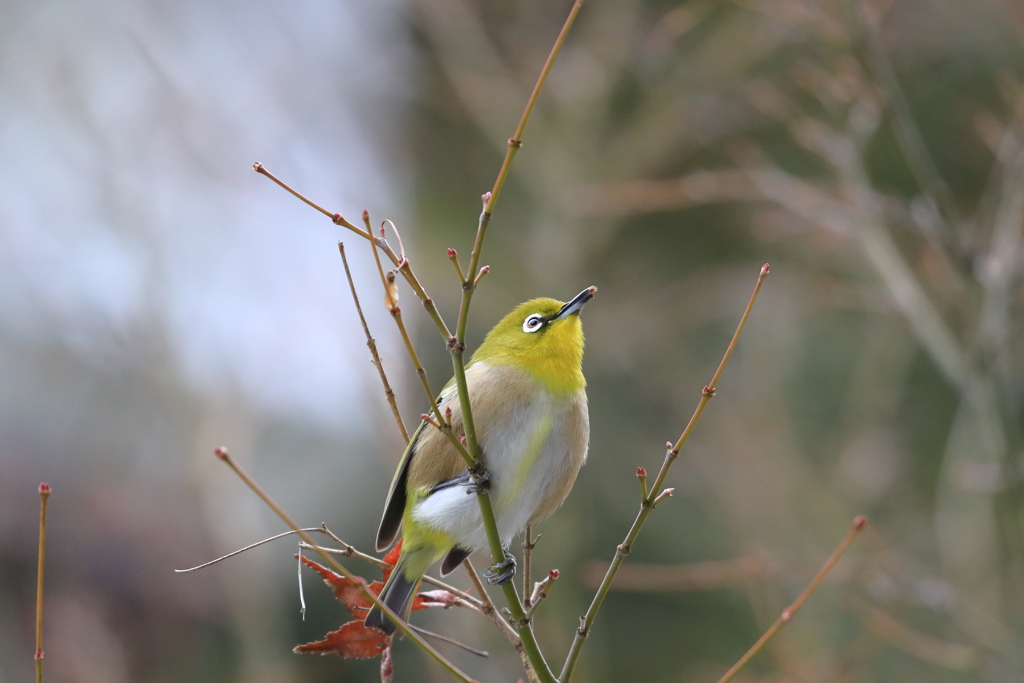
[(578, 302)]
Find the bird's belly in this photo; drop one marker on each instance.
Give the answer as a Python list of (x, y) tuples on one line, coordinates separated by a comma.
[(530, 458)]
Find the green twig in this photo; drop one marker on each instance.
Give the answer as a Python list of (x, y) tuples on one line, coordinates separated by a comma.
[(647, 503)]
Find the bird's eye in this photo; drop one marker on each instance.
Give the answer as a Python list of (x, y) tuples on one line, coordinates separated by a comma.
[(533, 323)]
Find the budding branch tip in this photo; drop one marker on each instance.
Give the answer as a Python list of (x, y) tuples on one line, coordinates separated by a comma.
[(641, 472), (258, 167), (553, 574), (764, 269), (221, 452), (452, 253), (859, 522), (44, 489)]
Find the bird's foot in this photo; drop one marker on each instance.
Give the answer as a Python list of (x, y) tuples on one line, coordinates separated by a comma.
[(479, 483), (501, 572)]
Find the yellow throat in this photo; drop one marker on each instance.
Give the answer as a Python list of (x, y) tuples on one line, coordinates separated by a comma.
[(544, 337)]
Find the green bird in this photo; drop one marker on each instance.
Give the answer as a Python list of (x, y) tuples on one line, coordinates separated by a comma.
[(529, 402)]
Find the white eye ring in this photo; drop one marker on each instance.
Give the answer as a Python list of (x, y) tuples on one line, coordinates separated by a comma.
[(533, 322)]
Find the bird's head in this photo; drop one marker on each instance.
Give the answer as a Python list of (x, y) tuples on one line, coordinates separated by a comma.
[(545, 338)]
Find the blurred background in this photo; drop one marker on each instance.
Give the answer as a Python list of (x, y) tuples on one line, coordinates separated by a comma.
[(159, 299)]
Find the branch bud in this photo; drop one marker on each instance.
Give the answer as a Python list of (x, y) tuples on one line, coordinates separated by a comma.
[(764, 269), (480, 275), (859, 522), (390, 292), (221, 452), (44, 489)]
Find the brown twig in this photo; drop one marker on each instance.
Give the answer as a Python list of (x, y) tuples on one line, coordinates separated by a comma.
[(402, 625), (242, 550), (389, 394), (44, 496), (457, 643), (403, 267), (337, 218), (528, 545), (787, 614), (647, 503)]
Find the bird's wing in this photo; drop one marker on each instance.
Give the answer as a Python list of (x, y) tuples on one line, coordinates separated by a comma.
[(394, 507)]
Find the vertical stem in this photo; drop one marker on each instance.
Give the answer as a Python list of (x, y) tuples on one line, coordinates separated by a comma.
[(44, 496)]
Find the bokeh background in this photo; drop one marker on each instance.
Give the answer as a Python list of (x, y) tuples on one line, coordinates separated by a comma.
[(159, 299)]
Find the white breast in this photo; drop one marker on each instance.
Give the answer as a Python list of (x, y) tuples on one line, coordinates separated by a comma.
[(528, 458)]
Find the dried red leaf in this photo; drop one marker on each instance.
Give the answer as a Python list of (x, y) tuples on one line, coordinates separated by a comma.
[(438, 598), (352, 641), (347, 591), (392, 558)]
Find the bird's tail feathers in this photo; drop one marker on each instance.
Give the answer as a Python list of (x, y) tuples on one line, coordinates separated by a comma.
[(397, 594)]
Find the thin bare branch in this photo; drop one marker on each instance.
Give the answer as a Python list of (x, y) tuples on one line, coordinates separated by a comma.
[(787, 614), (248, 547), (647, 504), (389, 394), (44, 497), (446, 639)]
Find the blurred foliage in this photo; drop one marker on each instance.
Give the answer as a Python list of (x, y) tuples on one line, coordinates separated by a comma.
[(872, 151)]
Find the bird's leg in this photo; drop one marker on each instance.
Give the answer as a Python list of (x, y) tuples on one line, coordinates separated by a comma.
[(502, 572), (464, 479), (479, 481)]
